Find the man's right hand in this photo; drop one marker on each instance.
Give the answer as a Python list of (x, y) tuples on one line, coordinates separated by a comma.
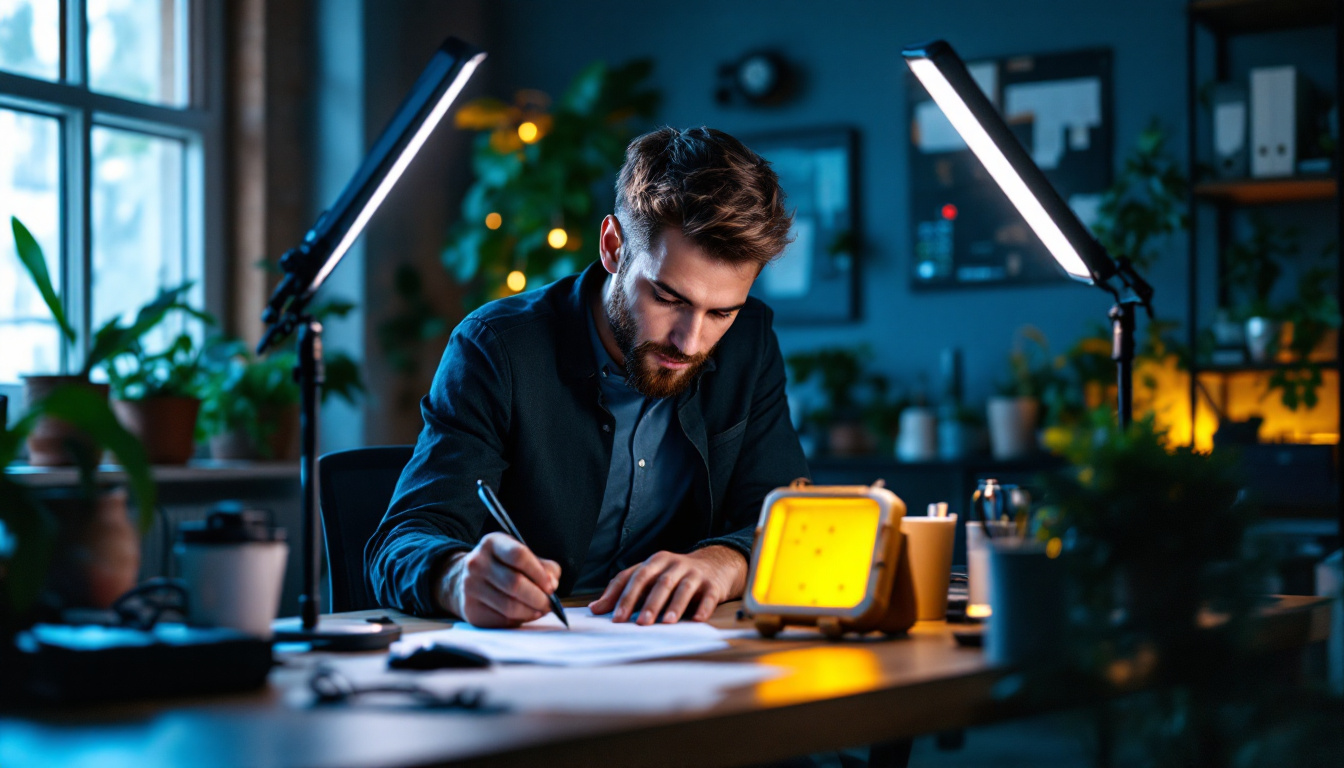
[(500, 583)]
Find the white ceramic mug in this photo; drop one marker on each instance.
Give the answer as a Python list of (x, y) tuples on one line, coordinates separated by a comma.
[(234, 567)]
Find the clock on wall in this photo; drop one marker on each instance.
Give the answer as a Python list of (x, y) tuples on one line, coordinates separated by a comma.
[(758, 78)]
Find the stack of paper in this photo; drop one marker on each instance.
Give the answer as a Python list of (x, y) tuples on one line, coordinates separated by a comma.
[(590, 640)]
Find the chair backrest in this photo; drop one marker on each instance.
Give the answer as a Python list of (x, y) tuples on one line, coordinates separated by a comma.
[(355, 488)]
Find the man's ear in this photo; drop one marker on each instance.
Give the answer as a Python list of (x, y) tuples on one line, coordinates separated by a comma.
[(610, 240)]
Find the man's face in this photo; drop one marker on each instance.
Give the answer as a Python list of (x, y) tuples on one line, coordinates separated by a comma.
[(668, 308)]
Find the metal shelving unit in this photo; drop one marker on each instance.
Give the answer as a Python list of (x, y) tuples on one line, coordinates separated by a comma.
[(1224, 19)]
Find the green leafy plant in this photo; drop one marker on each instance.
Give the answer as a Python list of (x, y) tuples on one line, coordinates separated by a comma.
[(244, 391), (549, 182), (1146, 202), (23, 518), (841, 374), (1252, 267), (1032, 372), (112, 338)]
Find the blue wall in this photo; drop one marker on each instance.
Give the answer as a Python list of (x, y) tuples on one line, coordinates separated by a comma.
[(850, 55)]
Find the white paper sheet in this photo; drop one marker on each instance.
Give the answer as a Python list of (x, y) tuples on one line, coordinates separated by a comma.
[(590, 640), (659, 686)]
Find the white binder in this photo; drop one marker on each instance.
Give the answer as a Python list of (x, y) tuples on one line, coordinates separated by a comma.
[(1276, 98)]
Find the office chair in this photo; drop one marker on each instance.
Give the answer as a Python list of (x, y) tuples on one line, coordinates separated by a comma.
[(355, 488)]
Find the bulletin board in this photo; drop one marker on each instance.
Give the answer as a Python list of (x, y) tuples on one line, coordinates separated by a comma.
[(964, 231)]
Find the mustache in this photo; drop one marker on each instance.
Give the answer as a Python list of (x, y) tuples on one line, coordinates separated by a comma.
[(668, 351)]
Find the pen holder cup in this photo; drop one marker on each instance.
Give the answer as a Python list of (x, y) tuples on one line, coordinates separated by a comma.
[(978, 575), (928, 545), (1027, 596)]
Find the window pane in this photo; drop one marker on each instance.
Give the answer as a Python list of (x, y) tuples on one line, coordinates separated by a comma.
[(29, 190), (137, 49), (30, 37), (138, 222)]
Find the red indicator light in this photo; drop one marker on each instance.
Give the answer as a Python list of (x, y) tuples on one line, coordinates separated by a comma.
[(949, 212)]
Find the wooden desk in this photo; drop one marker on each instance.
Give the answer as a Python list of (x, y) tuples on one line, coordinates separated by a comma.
[(841, 694)]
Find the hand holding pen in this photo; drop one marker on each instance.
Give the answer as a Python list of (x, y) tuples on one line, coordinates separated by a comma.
[(500, 583)]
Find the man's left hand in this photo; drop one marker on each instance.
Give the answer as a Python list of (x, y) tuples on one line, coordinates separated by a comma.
[(668, 584)]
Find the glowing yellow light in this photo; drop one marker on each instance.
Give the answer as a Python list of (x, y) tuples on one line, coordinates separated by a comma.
[(516, 281), (493, 220), (1053, 547), (528, 132), (557, 238), (977, 611), (816, 673), (817, 552)]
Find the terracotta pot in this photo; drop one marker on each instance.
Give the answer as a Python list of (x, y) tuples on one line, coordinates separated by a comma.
[(1012, 426), (97, 553), (849, 439), (284, 438), (283, 441), (166, 425), (49, 442)]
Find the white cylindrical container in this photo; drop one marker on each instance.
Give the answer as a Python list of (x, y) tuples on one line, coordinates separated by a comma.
[(918, 439), (1012, 426), (978, 575), (234, 567)]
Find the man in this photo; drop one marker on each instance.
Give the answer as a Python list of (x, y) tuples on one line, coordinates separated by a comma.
[(632, 417)]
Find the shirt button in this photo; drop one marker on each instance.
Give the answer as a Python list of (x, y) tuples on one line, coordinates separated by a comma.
[(606, 427), (641, 462)]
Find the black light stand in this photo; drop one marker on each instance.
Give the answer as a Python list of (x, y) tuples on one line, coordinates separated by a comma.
[(1068, 240), (305, 268)]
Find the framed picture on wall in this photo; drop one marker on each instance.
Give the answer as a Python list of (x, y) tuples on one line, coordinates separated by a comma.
[(816, 280), (965, 231)]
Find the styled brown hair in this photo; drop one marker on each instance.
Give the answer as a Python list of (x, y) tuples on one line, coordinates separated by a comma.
[(721, 196)]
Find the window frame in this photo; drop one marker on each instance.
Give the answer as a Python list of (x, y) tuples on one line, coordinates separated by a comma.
[(200, 125)]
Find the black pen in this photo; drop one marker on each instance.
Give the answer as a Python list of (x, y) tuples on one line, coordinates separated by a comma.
[(491, 503)]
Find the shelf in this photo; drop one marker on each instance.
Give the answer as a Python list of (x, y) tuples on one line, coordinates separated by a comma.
[(1328, 365), (196, 471), (1240, 16), (1267, 191)]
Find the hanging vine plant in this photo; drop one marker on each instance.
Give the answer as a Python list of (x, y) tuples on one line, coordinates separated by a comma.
[(541, 169)]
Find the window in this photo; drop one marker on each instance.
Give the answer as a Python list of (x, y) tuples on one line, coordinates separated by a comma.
[(110, 117)]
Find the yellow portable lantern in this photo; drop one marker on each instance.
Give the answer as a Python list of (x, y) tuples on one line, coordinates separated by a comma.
[(831, 556)]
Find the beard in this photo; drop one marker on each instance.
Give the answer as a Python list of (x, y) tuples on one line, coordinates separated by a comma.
[(642, 369)]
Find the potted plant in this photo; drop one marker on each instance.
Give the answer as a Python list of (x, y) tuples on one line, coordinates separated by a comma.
[(1154, 528), (49, 440), (840, 373), (158, 396), (1014, 413), (250, 405), (78, 547), (1252, 268)]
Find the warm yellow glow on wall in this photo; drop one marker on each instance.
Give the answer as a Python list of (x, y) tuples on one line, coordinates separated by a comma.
[(557, 238), (1245, 394), (817, 552), (1162, 389), (817, 673), (493, 220), (528, 132), (516, 281)]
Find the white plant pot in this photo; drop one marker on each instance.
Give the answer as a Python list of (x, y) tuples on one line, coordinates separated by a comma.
[(1012, 426), (918, 439)]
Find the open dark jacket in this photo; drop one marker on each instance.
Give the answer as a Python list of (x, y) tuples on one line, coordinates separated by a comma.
[(515, 402)]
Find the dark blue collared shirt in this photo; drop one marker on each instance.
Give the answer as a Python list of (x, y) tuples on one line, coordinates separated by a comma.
[(651, 469)]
